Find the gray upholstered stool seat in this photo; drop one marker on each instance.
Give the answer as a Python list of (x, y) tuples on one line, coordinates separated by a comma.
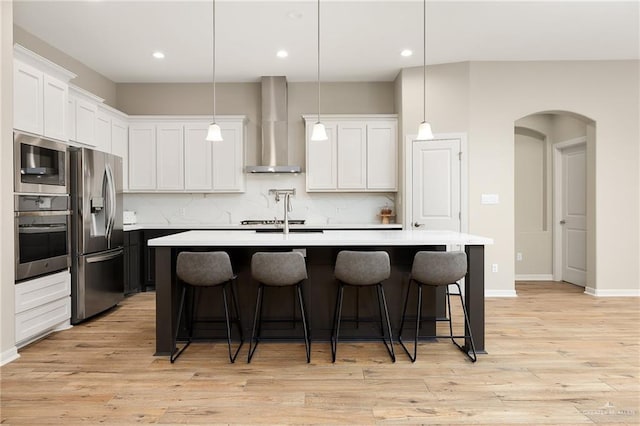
[(359, 269), (198, 270), (437, 269), (278, 269)]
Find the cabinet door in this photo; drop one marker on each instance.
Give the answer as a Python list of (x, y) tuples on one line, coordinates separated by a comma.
[(86, 122), (227, 159), (103, 131), (197, 158), (352, 155), (142, 157), (55, 98), (170, 156), (382, 156), (322, 170), (120, 147), (27, 98), (71, 119)]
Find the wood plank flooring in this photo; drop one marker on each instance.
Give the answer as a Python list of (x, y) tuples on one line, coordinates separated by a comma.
[(555, 356)]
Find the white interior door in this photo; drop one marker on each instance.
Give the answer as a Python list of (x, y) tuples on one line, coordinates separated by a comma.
[(436, 185), (574, 215)]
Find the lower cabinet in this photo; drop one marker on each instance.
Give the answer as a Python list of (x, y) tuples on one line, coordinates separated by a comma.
[(132, 262), (149, 280), (42, 305)]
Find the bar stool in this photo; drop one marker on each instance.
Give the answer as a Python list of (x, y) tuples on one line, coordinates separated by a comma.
[(198, 270), (437, 269), (278, 270), (362, 269)]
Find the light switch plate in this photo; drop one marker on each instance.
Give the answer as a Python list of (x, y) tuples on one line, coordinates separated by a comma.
[(490, 199)]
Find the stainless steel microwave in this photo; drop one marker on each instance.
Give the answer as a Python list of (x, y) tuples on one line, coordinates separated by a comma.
[(41, 165)]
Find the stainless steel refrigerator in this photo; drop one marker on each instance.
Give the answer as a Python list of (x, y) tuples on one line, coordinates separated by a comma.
[(97, 269)]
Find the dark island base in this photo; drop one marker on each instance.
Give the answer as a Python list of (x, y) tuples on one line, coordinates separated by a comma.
[(320, 291)]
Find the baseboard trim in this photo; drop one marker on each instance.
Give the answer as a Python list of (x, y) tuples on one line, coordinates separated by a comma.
[(9, 355), (534, 277), (500, 293), (611, 293)]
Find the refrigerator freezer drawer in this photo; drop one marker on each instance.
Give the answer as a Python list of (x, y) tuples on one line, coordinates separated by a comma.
[(98, 285)]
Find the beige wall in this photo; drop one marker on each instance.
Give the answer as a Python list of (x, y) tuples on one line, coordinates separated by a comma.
[(86, 79), (7, 333), (502, 92), (245, 98)]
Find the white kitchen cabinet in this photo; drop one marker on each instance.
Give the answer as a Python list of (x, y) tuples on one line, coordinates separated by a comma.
[(142, 156), (360, 155), (103, 131), (120, 147), (182, 159), (42, 305), (170, 157), (40, 94), (197, 158), (85, 119)]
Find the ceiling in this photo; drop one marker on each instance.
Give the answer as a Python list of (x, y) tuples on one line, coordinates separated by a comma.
[(360, 40)]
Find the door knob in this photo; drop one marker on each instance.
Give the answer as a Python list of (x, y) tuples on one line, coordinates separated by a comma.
[(562, 222)]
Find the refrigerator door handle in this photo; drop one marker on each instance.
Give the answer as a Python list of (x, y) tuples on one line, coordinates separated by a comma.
[(112, 201), (104, 256)]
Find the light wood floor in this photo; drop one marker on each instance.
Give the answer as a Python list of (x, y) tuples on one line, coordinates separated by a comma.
[(555, 356)]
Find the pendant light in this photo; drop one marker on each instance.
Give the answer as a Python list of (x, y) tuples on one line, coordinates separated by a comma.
[(424, 131), (319, 133), (214, 134)]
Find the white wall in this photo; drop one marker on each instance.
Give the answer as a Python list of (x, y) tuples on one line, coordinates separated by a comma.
[(256, 203), (7, 332)]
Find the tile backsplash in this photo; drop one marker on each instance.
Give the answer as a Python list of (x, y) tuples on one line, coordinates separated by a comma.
[(256, 203)]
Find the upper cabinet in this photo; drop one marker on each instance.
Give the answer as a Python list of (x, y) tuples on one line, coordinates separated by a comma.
[(40, 95), (170, 154), (361, 154)]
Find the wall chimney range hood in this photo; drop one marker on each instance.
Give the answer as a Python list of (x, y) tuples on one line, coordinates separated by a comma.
[(275, 133)]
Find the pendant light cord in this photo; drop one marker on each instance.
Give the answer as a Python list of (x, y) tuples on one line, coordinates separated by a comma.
[(318, 61), (214, 60), (424, 61)]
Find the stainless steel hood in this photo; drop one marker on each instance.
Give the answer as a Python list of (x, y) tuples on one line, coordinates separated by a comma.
[(275, 134)]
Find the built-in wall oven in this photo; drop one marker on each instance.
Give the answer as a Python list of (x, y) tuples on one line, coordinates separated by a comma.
[(42, 237), (41, 165)]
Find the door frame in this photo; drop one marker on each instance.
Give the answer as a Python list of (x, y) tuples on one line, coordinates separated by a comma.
[(557, 202), (407, 190)]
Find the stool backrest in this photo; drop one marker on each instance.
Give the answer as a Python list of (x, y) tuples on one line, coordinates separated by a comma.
[(439, 267), (278, 268), (204, 268), (362, 267)]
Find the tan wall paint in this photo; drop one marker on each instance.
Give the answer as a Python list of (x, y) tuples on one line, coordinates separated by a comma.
[(606, 92), (7, 294), (245, 98), (86, 79)]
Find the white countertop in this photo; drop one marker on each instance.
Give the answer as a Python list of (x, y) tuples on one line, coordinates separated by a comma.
[(198, 226), (327, 238)]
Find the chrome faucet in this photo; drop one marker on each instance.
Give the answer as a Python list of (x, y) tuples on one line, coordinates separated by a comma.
[(286, 193)]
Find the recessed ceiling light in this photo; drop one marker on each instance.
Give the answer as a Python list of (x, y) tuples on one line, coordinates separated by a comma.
[(158, 55), (282, 54), (406, 52)]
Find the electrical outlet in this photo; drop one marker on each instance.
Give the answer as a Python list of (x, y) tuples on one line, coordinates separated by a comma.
[(494, 267), (519, 256)]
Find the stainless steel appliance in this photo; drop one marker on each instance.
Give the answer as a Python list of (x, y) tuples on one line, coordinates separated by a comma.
[(42, 237), (97, 268), (41, 165)]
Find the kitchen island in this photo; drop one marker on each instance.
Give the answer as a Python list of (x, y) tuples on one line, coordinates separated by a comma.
[(320, 250)]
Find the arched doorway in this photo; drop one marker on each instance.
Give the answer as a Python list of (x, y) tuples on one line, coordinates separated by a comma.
[(554, 197)]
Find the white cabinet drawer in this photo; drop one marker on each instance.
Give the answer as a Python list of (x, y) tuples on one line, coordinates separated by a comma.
[(36, 321), (37, 292)]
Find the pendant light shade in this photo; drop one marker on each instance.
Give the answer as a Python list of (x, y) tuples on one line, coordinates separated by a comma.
[(214, 134), (319, 132), (424, 131)]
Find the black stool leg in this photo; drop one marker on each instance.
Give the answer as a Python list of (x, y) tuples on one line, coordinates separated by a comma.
[(256, 324), (336, 323), (418, 320), (389, 346), (174, 352), (307, 340), (237, 316), (232, 356), (465, 349)]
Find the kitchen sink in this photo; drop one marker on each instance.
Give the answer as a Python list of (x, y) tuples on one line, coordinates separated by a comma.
[(291, 231)]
